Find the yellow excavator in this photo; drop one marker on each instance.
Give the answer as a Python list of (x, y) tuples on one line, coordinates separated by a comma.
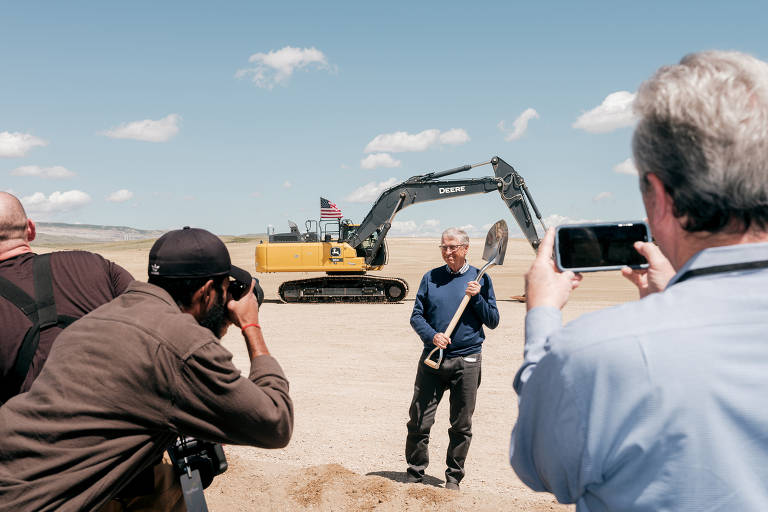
[(347, 251)]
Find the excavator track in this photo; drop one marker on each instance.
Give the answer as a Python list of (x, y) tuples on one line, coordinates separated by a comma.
[(349, 288)]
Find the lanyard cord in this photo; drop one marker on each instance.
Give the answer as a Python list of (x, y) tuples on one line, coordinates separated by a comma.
[(717, 269)]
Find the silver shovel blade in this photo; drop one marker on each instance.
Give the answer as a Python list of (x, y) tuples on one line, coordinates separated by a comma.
[(496, 243)]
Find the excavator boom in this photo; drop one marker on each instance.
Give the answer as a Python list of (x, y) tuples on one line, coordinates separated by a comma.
[(428, 187), (358, 249)]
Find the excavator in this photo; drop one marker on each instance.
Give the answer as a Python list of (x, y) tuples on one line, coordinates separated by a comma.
[(347, 251)]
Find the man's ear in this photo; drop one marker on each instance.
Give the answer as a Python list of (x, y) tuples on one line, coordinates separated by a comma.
[(31, 230), (209, 293), (202, 300), (659, 205)]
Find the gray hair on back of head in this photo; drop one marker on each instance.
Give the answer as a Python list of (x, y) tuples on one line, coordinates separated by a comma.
[(703, 130), (457, 234)]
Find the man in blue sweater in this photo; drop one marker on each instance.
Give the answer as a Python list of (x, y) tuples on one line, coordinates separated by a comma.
[(440, 293)]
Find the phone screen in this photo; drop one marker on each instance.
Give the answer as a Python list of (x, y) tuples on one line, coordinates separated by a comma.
[(592, 247)]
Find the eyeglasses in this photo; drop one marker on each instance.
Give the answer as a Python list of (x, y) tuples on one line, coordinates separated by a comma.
[(450, 248)]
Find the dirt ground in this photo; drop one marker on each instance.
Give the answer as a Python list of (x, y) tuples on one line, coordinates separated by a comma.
[(351, 369)]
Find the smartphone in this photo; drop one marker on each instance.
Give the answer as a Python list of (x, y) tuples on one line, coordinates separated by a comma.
[(600, 246)]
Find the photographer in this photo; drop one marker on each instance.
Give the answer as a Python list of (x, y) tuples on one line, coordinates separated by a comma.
[(657, 404), (124, 381)]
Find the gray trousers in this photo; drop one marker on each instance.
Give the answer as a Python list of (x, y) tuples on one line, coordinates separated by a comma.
[(461, 377)]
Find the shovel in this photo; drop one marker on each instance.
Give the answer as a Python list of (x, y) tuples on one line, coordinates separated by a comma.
[(493, 253)]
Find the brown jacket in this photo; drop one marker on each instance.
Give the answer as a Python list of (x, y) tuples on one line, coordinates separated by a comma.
[(120, 384)]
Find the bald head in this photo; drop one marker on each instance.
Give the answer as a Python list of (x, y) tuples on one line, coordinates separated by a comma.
[(13, 219)]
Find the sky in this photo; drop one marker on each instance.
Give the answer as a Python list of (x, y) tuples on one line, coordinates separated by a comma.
[(238, 116)]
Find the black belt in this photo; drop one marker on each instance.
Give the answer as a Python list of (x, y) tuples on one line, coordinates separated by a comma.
[(718, 269)]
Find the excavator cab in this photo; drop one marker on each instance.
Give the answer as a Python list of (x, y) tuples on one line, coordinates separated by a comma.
[(347, 231), (369, 245)]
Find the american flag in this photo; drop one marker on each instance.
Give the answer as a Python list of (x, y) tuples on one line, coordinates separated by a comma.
[(328, 210)]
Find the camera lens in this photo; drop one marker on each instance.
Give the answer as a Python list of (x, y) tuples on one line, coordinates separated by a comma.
[(237, 289)]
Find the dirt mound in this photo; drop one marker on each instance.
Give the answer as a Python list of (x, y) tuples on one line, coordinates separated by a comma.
[(331, 487)]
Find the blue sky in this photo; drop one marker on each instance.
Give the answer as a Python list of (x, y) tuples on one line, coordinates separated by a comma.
[(233, 116)]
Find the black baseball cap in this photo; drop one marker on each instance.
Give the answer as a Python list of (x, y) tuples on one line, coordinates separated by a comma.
[(192, 252)]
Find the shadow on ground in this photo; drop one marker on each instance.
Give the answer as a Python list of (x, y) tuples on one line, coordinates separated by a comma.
[(402, 477)]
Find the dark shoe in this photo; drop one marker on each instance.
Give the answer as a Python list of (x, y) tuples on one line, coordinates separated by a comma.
[(413, 479), (453, 486)]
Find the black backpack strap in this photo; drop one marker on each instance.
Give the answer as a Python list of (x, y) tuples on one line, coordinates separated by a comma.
[(46, 306), (27, 305), (44, 316), (18, 298)]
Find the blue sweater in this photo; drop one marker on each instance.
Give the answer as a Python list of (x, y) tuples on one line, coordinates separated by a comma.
[(437, 300)]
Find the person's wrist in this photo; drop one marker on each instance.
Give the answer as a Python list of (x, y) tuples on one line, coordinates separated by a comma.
[(248, 326), (541, 301)]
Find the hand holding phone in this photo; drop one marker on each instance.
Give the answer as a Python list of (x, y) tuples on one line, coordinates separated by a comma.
[(658, 274), (600, 246), (544, 285)]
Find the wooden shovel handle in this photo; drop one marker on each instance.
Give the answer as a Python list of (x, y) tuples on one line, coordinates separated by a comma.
[(451, 326), (465, 301), (432, 363), (457, 315)]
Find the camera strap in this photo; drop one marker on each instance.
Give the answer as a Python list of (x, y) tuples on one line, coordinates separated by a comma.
[(192, 487), (719, 269)]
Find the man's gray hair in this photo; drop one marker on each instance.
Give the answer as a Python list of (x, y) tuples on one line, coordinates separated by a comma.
[(703, 131), (457, 234)]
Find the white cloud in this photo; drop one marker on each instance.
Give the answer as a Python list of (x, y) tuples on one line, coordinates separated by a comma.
[(614, 112), (55, 171), (602, 196), (520, 125), (399, 142), (147, 130), (17, 144), (370, 191), (557, 220), (428, 229), (626, 167), (120, 196), (375, 160), (454, 137), (403, 141), (277, 66), (56, 202), (287, 184)]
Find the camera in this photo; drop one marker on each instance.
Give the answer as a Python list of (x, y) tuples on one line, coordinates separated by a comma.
[(238, 288), (189, 454), (600, 246)]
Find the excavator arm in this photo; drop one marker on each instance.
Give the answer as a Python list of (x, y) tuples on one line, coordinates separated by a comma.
[(428, 187)]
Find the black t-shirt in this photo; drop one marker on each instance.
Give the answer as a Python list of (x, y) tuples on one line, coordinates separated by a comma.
[(82, 281)]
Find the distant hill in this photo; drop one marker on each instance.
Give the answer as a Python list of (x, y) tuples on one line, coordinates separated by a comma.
[(59, 232)]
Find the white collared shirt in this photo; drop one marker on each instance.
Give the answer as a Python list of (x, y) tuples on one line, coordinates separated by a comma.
[(459, 272)]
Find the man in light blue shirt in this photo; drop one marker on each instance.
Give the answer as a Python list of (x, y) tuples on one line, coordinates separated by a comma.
[(660, 404)]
